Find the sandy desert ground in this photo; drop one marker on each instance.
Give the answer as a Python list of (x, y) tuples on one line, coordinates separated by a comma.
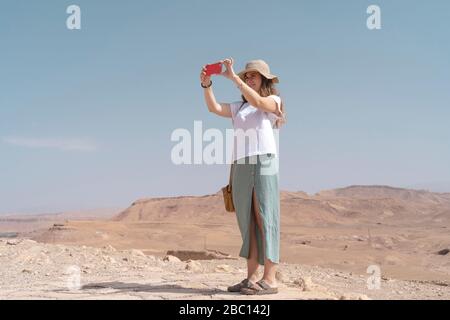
[(31, 270), (328, 240)]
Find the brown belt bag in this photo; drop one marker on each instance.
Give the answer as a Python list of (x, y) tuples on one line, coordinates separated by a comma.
[(228, 194)]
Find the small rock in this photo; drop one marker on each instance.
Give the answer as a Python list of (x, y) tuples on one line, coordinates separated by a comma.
[(224, 268), (109, 259), (279, 276), (27, 271), (109, 248), (137, 253), (170, 258), (304, 284), (13, 242), (443, 252), (138, 267), (194, 266)]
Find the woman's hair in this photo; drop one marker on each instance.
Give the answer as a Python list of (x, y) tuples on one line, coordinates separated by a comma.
[(268, 88)]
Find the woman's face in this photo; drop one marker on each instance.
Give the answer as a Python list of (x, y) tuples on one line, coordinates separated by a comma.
[(253, 79)]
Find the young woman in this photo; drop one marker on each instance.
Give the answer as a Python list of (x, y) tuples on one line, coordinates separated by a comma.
[(255, 174)]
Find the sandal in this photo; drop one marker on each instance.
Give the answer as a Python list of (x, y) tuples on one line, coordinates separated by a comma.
[(243, 284), (260, 288)]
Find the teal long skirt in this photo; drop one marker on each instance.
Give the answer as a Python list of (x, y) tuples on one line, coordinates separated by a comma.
[(259, 173)]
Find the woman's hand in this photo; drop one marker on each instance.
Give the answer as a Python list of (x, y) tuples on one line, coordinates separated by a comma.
[(206, 80), (229, 72)]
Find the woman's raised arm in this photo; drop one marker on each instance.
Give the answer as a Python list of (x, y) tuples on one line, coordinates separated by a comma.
[(221, 109)]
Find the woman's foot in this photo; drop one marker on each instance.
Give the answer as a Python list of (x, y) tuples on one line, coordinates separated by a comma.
[(260, 288), (246, 283), (271, 283)]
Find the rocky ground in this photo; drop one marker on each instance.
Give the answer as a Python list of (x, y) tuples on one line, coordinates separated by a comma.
[(32, 270)]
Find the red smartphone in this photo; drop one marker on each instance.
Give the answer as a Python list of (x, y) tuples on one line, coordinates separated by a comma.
[(215, 68)]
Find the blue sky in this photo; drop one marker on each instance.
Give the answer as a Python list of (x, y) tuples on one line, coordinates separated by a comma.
[(86, 115)]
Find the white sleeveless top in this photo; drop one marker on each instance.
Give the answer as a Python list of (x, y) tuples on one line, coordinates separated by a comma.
[(257, 135)]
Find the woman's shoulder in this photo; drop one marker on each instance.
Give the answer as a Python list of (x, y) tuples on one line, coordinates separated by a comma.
[(235, 107), (236, 104), (276, 97)]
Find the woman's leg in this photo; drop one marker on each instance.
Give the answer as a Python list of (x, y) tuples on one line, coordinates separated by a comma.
[(252, 261), (270, 268)]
